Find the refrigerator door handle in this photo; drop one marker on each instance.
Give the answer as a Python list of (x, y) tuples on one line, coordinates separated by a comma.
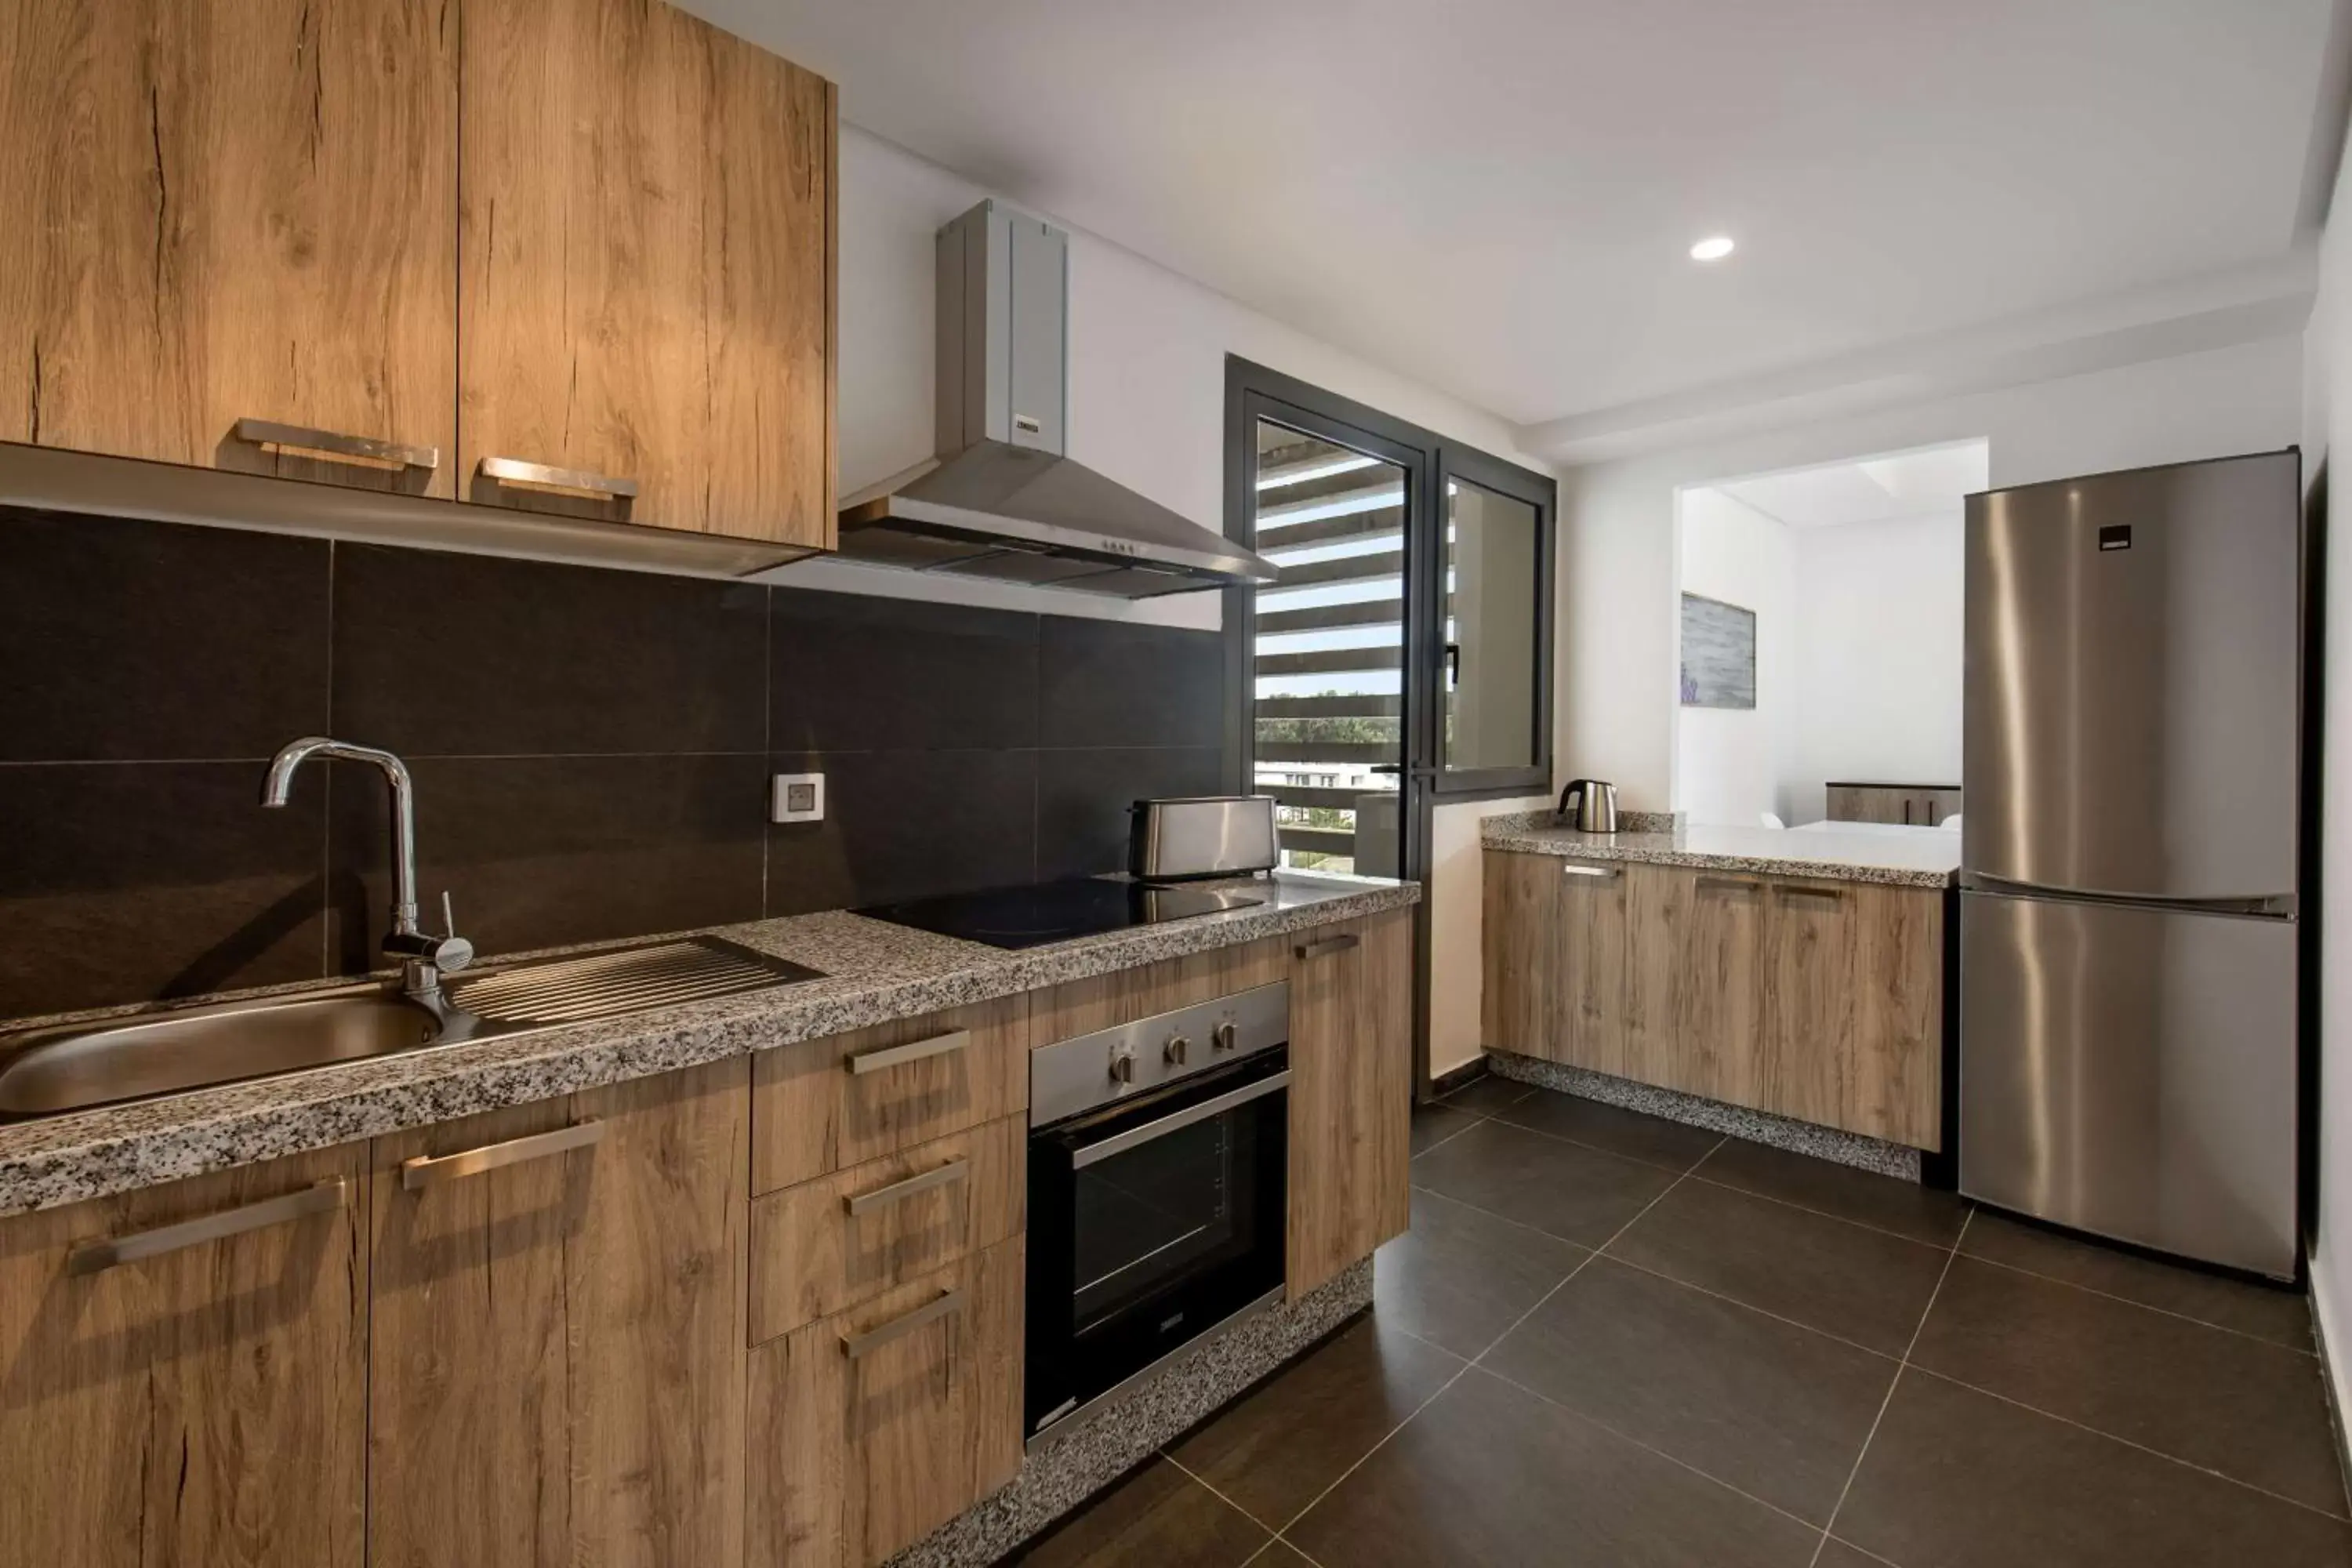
[(2273, 906)]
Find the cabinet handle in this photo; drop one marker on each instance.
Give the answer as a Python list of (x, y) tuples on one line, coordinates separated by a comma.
[(1817, 895), (542, 477), (96, 1257), (335, 444), (883, 1197), (860, 1063), (857, 1345), (1326, 945), (423, 1172), (1598, 873), (1729, 885)]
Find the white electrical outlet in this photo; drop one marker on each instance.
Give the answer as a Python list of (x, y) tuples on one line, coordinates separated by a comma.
[(797, 798)]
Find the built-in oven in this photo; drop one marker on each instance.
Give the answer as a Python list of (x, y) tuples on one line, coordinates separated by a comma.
[(1159, 1161)]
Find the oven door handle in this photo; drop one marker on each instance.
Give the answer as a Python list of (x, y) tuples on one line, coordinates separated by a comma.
[(1121, 1143)]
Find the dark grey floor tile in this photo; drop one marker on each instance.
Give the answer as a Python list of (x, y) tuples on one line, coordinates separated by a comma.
[(1955, 1478), (1924, 1214), (2254, 1411), (1577, 1194), (1459, 1277), (1158, 1517), (1653, 1139), (1836, 1553), (1433, 1124), (2270, 1312), (1274, 1451), (1490, 1473), (1861, 1285), (1778, 1411), (1487, 1095), (1281, 1554)]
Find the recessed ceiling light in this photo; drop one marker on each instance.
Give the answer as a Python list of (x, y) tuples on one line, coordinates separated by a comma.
[(1712, 250)]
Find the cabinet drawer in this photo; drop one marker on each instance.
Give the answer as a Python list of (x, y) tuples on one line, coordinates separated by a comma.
[(873, 1428), (819, 1106), (827, 1245)]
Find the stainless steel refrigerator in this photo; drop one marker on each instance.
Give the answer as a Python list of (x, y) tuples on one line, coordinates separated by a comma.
[(2129, 846)]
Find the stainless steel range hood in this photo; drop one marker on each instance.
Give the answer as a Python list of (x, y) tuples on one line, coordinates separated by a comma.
[(1002, 500)]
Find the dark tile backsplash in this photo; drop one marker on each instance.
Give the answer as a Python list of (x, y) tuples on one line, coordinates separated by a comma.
[(591, 750)]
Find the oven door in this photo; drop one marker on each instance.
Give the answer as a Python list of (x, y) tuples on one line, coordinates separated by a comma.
[(1151, 1221)]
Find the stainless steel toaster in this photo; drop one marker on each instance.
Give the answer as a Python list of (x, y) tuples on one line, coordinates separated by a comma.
[(1202, 836)]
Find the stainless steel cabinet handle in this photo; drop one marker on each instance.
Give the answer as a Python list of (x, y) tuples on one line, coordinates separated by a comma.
[(857, 1345), (1729, 885), (96, 1257), (883, 1197), (422, 1171), (1328, 945), (1598, 873), (860, 1063), (1817, 895), (542, 477), (335, 444)]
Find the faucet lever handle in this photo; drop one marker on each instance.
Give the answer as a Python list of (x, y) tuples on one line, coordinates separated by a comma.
[(448, 915)]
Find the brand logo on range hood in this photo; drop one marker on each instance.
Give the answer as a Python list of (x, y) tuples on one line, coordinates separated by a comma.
[(1121, 547)]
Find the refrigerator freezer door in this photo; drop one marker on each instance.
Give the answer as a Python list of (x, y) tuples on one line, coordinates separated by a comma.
[(2131, 1071), (2130, 717)]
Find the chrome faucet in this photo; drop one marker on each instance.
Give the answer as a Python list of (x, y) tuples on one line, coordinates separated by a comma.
[(424, 958)]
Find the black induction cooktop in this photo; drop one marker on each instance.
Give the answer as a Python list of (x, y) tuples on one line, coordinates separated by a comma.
[(1045, 912)]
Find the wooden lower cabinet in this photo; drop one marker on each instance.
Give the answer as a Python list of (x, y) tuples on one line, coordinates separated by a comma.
[(205, 1406), (1853, 1008), (1556, 978), (1694, 964), (1350, 1093), (872, 1428), (559, 1339), (1521, 920)]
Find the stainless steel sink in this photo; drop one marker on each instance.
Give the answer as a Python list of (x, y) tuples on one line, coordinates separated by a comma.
[(46, 1072)]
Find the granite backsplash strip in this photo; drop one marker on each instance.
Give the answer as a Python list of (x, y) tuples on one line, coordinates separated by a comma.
[(592, 751), (873, 973), (1627, 821)]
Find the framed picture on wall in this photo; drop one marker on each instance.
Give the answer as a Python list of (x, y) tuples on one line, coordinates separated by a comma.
[(1718, 653)]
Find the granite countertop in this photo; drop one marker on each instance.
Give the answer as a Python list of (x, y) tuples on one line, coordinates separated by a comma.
[(1929, 859), (873, 973)]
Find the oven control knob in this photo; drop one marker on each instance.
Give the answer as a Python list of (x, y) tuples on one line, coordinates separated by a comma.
[(1122, 1064), (1224, 1037), (1174, 1052)]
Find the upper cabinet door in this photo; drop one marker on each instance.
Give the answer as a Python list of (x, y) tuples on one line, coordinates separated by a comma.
[(647, 241), (230, 210)]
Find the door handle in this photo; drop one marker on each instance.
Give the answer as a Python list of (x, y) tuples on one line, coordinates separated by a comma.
[(366, 449), (860, 1063), (424, 1171), (1327, 946), (1816, 895), (1095, 1153), (898, 1192), (97, 1257), (569, 482), (1599, 873), (1728, 884)]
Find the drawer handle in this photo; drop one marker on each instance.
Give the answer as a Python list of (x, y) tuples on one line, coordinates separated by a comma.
[(335, 444), (1327, 946), (96, 1257), (897, 1192), (1598, 873), (855, 1346), (860, 1063), (1818, 895), (1729, 885), (542, 477), (423, 1172)]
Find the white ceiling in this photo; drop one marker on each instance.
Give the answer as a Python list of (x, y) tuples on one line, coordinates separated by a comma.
[(1496, 196), (1926, 481)]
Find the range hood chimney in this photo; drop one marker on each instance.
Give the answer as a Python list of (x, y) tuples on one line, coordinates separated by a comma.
[(1003, 499)]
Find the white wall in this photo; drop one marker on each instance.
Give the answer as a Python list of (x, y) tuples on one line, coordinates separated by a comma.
[(1730, 762), (2327, 430), (1879, 647), (1456, 910), (1616, 675)]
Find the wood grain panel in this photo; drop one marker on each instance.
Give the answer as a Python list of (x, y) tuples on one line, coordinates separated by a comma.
[(1082, 1006), (1853, 1008), (646, 275), (856, 1457), (810, 1116), (812, 1258), (1519, 918), (558, 1359), (1717, 1002), (205, 1407), (1590, 944), (1350, 1097), (222, 208), (1808, 980)]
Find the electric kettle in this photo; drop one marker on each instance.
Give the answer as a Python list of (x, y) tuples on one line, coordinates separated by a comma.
[(1592, 803)]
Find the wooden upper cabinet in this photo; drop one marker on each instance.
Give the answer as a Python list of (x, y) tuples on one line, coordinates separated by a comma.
[(647, 239), (1351, 1092), (220, 210), (183, 1372), (559, 1331)]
